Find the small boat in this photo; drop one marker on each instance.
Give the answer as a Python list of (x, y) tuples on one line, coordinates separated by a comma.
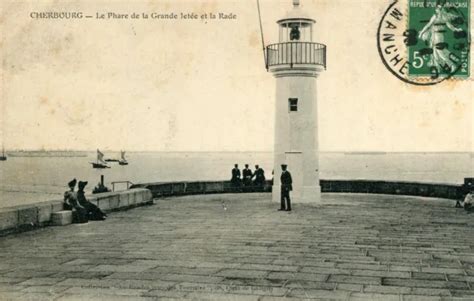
[(123, 161), (100, 163), (3, 157), (111, 160)]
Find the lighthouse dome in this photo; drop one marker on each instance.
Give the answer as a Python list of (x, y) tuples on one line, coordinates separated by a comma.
[(297, 14)]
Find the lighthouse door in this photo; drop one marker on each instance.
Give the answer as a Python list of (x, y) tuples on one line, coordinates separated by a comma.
[(294, 160)]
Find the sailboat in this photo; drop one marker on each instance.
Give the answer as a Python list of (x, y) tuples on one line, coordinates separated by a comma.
[(123, 161), (3, 157), (100, 163)]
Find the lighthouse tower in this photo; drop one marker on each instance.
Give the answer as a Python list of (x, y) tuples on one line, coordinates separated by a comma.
[(296, 62)]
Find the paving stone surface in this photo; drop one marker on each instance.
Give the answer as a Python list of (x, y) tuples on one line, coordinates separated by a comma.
[(353, 247)]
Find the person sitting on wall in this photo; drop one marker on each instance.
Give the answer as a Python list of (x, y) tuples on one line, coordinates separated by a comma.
[(462, 192), (259, 175), (93, 212), (469, 200), (71, 203), (235, 180), (247, 175)]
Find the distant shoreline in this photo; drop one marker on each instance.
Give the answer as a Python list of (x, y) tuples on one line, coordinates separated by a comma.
[(71, 153), (46, 154)]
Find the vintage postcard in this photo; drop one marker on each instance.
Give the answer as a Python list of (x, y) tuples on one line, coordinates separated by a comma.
[(236, 150)]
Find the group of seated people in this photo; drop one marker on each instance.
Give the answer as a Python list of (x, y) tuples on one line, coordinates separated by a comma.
[(248, 179), (83, 210), (466, 199)]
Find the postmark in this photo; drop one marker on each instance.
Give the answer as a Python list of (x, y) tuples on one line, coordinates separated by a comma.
[(424, 42)]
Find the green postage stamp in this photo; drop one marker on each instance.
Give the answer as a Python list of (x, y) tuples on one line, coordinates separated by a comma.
[(442, 47), (424, 42)]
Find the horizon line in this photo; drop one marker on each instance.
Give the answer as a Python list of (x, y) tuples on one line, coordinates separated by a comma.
[(232, 151)]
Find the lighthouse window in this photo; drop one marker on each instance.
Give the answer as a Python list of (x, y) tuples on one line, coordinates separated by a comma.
[(293, 104)]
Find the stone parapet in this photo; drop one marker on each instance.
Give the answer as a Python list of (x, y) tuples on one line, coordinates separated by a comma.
[(434, 190), (24, 217), (164, 189)]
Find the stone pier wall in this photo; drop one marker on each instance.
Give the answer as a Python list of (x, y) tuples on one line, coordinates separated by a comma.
[(188, 188), (446, 191), (435, 190), (39, 214)]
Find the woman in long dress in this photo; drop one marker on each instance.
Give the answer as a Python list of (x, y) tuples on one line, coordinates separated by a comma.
[(434, 34), (71, 203), (93, 212)]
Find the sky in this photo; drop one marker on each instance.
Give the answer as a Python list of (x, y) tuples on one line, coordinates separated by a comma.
[(201, 85)]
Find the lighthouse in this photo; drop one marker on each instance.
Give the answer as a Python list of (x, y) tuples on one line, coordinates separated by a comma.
[(296, 61)]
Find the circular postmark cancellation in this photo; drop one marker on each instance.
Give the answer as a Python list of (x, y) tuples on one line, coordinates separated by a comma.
[(424, 42)]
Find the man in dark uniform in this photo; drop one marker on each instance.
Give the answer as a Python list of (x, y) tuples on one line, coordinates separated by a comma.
[(286, 187), (235, 180), (259, 175), (247, 176)]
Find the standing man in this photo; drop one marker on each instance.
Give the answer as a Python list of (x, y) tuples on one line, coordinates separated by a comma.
[(235, 180), (286, 187)]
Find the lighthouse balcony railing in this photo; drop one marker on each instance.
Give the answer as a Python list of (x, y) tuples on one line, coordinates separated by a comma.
[(296, 53)]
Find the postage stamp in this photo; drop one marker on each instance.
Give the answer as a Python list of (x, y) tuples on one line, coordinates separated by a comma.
[(425, 42)]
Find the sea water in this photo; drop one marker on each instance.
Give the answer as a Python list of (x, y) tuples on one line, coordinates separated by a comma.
[(30, 179)]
